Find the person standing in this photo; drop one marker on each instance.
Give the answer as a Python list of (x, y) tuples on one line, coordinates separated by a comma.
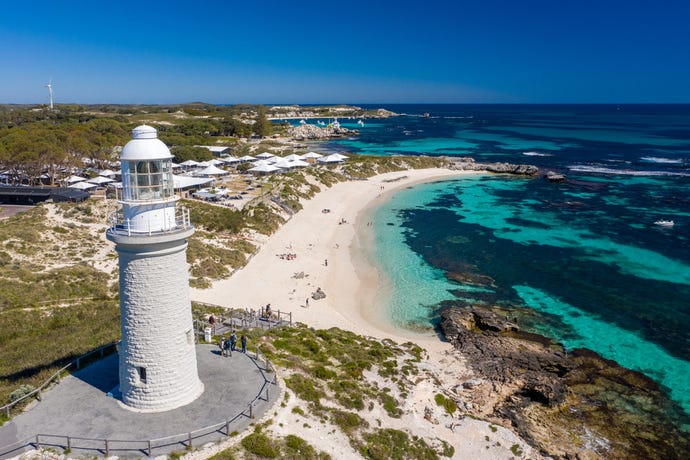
[(212, 322), (233, 341), (243, 341)]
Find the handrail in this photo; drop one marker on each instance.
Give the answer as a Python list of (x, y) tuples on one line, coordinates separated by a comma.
[(147, 446)]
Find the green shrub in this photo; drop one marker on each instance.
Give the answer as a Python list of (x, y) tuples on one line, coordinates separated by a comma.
[(259, 444), (304, 388), (447, 403), (347, 421), (395, 445)]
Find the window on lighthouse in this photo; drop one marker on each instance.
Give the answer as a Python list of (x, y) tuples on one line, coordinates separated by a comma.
[(148, 180)]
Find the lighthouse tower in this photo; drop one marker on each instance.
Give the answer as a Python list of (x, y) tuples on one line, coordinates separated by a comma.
[(158, 369)]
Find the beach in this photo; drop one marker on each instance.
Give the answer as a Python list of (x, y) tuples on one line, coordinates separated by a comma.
[(330, 241)]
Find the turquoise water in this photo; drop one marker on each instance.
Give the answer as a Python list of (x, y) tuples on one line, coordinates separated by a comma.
[(584, 258), (416, 287)]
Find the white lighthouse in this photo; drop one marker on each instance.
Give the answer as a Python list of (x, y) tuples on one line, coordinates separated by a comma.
[(158, 369)]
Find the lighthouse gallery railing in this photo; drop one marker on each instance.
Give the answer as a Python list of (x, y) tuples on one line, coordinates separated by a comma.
[(117, 223)]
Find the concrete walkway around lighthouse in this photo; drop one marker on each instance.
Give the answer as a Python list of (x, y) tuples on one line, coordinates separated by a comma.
[(79, 407)]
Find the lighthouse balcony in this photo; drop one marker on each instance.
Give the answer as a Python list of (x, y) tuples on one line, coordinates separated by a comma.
[(153, 223)]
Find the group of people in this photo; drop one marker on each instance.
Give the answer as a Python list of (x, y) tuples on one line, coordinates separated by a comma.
[(227, 346), (289, 256)]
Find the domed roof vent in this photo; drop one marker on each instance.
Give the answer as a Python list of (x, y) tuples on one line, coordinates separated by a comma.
[(145, 145), (144, 132)]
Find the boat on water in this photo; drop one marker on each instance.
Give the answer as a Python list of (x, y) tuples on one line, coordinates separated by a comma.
[(360, 123), (665, 223)]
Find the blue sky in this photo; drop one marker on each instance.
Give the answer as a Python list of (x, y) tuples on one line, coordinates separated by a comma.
[(352, 52)]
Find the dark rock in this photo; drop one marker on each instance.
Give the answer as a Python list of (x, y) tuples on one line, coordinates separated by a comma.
[(552, 176), (470, 278), (575, 406)]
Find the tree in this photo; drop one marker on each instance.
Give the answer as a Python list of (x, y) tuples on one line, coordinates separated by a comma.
[(262, 127), (183, 153)]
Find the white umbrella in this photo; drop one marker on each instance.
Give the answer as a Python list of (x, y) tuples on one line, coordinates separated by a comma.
[(82, 185), (264, 169), (298, 164), (329, 159), (99, 180), (211, 171), (72, 179), (282, 163), (181, 182)]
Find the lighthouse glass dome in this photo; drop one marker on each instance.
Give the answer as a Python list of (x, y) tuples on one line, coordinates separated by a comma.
[(147, 180), (146, 167)]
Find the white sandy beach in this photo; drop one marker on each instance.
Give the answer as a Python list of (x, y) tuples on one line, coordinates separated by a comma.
[(331, 255)]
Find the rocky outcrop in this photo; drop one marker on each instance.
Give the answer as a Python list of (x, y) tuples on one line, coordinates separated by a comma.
[(552, 176), (567, 403), (313, 132), (468, 164)]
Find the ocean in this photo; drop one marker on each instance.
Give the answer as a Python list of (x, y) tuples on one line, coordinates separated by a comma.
[(587, 259)]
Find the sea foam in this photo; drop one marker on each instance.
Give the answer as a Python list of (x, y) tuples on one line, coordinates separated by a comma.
[(662, 160), (623, 172)]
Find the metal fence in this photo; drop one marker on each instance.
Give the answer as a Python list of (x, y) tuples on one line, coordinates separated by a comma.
[(150, 447)]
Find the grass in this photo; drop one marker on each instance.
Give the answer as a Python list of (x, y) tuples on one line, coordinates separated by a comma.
[(33, 345)]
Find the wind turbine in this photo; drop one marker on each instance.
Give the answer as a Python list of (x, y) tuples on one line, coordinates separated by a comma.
[(50, 91)]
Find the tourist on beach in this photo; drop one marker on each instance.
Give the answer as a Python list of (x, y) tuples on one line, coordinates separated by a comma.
[(267, 311), (243, 341), (233, 341), (307, 302), (325, 262), (212, 322)]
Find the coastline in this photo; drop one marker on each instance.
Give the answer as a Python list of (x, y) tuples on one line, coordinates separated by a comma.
[(350, 280)]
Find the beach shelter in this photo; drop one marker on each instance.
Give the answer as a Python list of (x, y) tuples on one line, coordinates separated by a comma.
[(229, 160), (298, 164), (99, 180), (338, 155), (263, 169), (211, 171), (107, 173), (185, 182), (261, 163), (282, 163), (82, 185), (190, 164), (311, 155), (73, 179), (265, 155), (330, 159), (247, 158), (293, 157)]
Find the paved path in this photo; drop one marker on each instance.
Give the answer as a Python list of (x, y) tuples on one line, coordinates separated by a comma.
[(80, 407)]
